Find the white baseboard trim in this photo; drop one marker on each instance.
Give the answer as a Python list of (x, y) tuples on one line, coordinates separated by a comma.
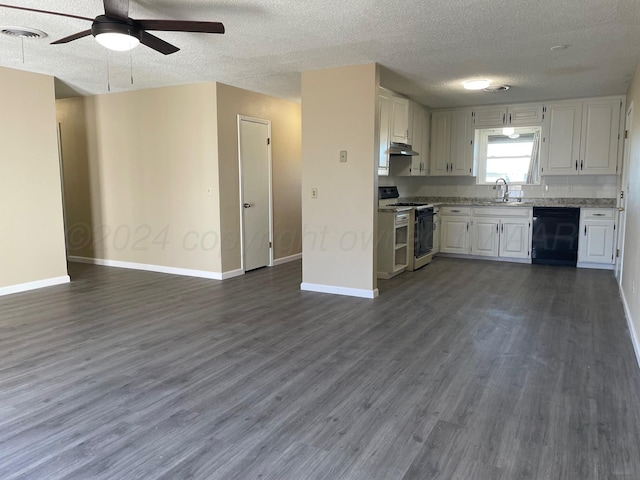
[(351, 292), (484, 258), (290, 258), (597, 266), (23, 287), (158, 268), (632, 330)]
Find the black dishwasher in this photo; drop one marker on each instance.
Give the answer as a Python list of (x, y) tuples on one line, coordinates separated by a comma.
[(555, 235)]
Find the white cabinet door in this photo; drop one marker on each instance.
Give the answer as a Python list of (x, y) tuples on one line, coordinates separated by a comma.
[(489, 117), (484, 237), (600, 124), (561, 138), (423, 160), (415, 138), (384, 117), (454, 237), (440, 143), (461, 143), (514, 238), (400, 120), (524, 115), (595, 244)]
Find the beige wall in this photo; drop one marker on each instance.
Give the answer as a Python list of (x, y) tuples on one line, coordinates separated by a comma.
[(285, 152), (75, 164), (338, 113), (32, 239), (151, 155), (631, 265)]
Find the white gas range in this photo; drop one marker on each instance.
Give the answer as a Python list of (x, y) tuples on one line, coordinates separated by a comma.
[(420, 225)]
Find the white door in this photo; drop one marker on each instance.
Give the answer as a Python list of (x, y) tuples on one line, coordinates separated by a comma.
[(561, 138), (484, 237), (624, 192), (514, 238), (455, 235), (600, 125), (255, 172), (440, 143), (596, 242)]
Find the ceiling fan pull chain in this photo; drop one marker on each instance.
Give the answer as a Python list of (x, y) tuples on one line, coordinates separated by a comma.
[(108, 73), (131, 67)]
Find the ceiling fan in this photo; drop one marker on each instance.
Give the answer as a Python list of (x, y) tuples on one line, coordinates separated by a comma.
[(116, 31)]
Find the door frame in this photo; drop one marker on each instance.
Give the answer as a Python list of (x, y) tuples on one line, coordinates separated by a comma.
[(622, 202), (262, 121)]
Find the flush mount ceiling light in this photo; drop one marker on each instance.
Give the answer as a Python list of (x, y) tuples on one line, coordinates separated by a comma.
[(508, 131), (22, 32), (557, 48), (477, 84)]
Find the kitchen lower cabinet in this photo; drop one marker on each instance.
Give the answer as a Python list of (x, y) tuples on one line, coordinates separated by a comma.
[(455, 223), (485, 237), (393, 247), (515, 238), (596, 241), (500, 233)]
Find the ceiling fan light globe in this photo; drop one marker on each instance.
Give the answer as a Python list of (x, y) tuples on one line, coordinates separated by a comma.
[(120, 42)]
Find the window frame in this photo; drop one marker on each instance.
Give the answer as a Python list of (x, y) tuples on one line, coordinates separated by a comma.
[(481, 146)]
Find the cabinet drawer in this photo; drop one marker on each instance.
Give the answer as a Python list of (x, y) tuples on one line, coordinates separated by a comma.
[(402, 218), (455, 210), (519, 212), (598, 213)]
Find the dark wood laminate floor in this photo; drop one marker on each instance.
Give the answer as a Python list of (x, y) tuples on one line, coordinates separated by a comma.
[(462, 370)]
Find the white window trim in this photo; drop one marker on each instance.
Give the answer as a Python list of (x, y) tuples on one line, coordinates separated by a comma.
[(482, 139)]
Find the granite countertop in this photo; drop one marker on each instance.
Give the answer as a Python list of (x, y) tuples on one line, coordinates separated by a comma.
[(526, 202)]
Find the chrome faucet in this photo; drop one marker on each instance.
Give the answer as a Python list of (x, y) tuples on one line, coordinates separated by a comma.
[(505, 192)]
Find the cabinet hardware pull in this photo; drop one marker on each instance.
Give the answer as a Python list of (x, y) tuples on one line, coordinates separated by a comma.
[(503, 117), (581, 164), (509, 118), (585, 230), (496, 228), (502, 227), (467, 226), (598, 214), (576, 165)]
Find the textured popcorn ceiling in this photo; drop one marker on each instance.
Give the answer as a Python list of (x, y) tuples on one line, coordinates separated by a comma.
[(427, 46)]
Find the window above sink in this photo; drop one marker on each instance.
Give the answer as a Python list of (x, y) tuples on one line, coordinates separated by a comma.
[(511, 153)]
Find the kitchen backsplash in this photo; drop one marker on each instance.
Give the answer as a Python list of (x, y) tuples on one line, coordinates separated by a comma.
[(586, 186)]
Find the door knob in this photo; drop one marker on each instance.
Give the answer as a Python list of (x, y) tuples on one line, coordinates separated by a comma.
[(247, 205)]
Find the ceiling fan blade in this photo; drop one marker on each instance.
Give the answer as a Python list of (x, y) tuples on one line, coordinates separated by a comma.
[(46, 11), (116, 8), (157, 44), (73, 37), (181, 26)]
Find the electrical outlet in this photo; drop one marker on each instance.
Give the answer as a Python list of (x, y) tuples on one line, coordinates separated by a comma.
[(343, 156), (314, 192), (210, 191)]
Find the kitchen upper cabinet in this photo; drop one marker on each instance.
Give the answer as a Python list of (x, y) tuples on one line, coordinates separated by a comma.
[(400, 120), (508, 115), (384, 119), (597, 238), (581, 137), (416, 165), (452, 143)]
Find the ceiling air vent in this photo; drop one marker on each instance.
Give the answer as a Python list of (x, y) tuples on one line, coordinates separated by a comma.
[(496, 88), (22, 32)]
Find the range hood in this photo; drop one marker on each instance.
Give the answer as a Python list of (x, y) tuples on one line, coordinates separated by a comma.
[(402, 149)]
